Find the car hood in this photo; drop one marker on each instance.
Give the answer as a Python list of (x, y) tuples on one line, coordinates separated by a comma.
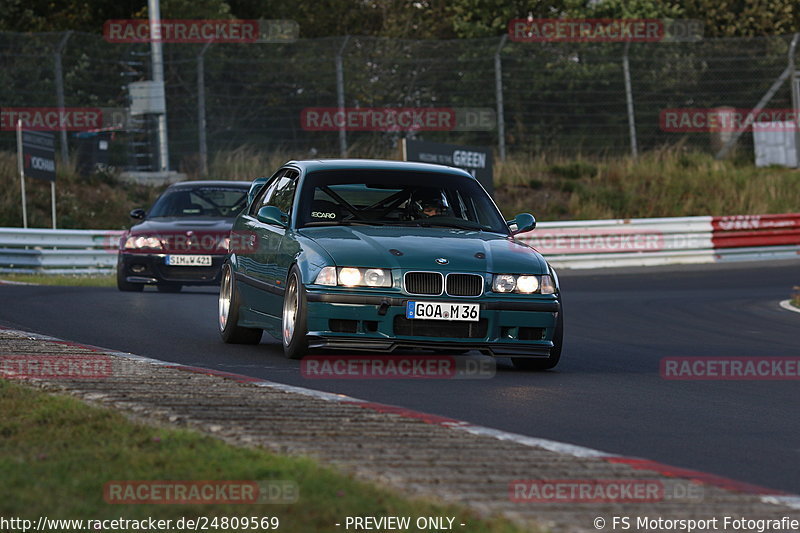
[(185, 235), (182, 224), (414, 248)]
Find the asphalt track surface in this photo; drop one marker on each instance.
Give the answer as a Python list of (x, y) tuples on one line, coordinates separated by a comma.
[(607, 392)]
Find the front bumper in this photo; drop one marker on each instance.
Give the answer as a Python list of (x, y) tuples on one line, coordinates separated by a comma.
[(519, 327), (152, 269)]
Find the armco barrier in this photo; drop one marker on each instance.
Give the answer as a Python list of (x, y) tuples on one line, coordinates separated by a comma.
[(570, 244), (665, 241), (58, 251)]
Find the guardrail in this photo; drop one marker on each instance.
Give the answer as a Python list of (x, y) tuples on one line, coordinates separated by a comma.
[(665, 241), (570, 244), (58, 251)]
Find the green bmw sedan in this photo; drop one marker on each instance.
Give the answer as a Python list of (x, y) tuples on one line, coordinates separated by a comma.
[(380, 256)]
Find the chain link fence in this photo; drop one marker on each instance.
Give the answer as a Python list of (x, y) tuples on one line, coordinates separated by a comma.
[(548, 98)]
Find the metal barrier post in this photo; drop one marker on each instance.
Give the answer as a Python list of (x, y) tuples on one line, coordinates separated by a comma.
[(498, 84), (201, 109), (340, 97), (626, 68), (59, 79)]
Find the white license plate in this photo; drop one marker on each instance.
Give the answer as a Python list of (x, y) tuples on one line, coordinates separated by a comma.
[(189, 260), (443, 311)]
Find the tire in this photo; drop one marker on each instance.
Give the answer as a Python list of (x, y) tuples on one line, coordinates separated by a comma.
[(124, 285), (294, 323), (522, 363), (176, 287), (228, 313)]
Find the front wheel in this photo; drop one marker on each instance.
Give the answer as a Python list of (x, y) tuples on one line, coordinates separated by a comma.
[(229, 329), (124, 285), (522, 363), (295, 328)]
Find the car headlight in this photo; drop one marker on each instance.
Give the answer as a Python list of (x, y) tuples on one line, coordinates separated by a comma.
[(350, 277), (504, 283), (141, 242), (523, 283), (377, 277), (527, 284), (354, 277)]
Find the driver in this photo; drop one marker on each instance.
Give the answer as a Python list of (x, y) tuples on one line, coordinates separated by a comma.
[(432, 208), (430, 205)]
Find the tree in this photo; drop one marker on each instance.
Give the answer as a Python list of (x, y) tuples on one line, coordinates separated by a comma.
[(61, 15), (745, 18)]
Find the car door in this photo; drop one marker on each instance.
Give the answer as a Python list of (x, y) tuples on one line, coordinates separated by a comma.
[(249, 243), (265, 269)]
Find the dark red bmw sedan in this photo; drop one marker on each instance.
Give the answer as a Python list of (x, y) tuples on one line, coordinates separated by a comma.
[(183, 238)]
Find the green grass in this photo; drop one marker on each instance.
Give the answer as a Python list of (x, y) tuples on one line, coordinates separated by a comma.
[(671, 181), (56, 454), (96, 202), (67, 281), (795, 300)]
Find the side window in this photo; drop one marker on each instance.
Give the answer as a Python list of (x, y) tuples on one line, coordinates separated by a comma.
[(283, 195), (263, 196)]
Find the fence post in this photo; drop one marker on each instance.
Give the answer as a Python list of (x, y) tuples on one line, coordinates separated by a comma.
[(201, 109), (626, 68), (157, 60), (498, 87), (340, 97), (761, 103), (59, 78), (795, 86)]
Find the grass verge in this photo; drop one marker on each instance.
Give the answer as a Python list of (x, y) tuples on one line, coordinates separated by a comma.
[(795, 300), (64, 281), (57, 453), (95, 202), (671, 181)]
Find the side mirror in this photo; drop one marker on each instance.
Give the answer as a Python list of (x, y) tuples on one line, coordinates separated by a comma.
[(138, 214), (523, 222), (269, 214), (255, 188)]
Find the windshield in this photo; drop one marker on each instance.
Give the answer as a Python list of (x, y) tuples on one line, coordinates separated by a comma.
[(200, 202), (397, 198)]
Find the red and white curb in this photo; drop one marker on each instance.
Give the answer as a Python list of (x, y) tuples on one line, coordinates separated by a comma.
[(767, 495)]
